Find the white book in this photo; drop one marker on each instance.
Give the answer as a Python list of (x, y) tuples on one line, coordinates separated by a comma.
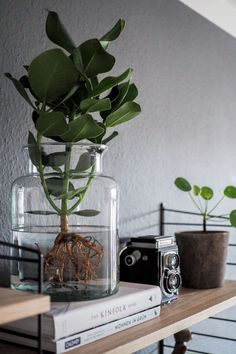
[(67, 318), (77, 340)]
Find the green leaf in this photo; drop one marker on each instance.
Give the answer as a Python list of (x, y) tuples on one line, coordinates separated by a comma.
[(20, 88), (128, 111), (91, 59), (98, 139), (196, 190), (55, 159), (34, 152), (232, 218), (110, 137), (123, 89), (81, 128), (85, 163), (69, 95), (87, 212), (230, 192), (52, 124), (109, 82), (51, 75), (57, 33), (206, 193), (113, 34), (183, 184), (95, 105), (131, 94), (41, 212), (55, 186)]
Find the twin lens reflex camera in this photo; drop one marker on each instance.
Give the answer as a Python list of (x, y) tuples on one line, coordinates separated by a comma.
[(152, 260)]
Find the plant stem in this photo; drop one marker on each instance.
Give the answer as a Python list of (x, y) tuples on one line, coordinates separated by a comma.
[(216, 204), (82, 195), (41, 174), (204, 223), (197, 206), (66, 183)]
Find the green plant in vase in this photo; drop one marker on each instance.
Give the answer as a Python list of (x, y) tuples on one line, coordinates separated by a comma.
[(72, 103)]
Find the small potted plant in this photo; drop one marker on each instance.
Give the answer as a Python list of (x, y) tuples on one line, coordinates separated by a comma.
[(66, 206), (203, 253)]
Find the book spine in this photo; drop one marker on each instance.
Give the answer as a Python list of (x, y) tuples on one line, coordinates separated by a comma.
[(66, 344), (111, 310)]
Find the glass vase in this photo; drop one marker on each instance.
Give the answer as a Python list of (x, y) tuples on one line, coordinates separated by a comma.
[(68, 209)]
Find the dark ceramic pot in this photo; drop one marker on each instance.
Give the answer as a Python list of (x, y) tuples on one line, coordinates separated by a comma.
[(202, 258)]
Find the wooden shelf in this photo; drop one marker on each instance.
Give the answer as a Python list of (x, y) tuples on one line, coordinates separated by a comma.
[(191, 307), (15, 305)]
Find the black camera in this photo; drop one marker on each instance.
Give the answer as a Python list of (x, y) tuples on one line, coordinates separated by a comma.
[(152, 260)]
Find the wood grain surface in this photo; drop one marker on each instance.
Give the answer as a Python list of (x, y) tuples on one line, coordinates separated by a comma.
[(15, 305), (191, 307)]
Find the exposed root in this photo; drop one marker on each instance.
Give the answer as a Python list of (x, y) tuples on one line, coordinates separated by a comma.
[(73, 257)]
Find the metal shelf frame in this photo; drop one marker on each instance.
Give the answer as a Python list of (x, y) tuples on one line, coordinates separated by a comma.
[(39, 261), (163, 211)]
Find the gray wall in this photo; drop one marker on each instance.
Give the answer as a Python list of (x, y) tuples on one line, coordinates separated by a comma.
[(185, 69)]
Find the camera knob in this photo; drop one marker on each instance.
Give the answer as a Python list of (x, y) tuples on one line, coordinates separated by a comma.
[(133, 258)]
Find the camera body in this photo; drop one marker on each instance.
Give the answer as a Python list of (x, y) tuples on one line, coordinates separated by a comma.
[(152, 260)]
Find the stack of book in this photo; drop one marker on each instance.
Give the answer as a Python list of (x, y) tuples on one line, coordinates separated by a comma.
[(70, 325)]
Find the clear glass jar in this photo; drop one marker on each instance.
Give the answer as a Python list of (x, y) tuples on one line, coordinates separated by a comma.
[(67, 209)]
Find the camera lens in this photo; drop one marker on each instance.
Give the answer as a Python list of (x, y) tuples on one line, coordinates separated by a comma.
[(173, 260), (172, 281), (131, 259)]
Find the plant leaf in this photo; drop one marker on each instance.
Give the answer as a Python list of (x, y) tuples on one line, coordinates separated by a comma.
[(113, 34), (41, 212), (110, 137), (69, 95), (95, 105), (55, 159), (34, 152), (109, 82), (206, 193), (51, 75), (85, 163), (87, 212), (98, 139), (83, 127), (57, 33), (232, 218), (91, 59), (128, 111), (196, 190), (121, 90), (131, 94), (230, 192), (20, 88), (183, 184), (52, 124), (55, 186)]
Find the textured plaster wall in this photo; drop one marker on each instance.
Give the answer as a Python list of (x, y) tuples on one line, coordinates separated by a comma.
[(185, 69)]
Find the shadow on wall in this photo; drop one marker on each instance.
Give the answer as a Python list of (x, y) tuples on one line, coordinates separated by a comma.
[(148, 221)]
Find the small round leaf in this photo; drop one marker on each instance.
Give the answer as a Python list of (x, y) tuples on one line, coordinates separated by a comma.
[(183, 184), (232, 218), (230, 192), (196, 190), (206, 193)]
